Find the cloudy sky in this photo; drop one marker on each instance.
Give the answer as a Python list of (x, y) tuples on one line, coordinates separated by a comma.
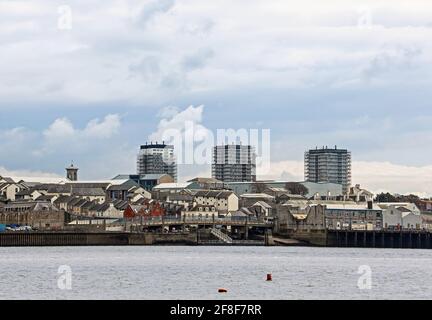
[(90, 81)]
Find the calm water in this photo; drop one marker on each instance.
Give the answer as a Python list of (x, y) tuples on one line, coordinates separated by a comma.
[(197, 273)]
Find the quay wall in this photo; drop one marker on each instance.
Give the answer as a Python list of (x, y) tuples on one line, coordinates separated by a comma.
[(17, 239)]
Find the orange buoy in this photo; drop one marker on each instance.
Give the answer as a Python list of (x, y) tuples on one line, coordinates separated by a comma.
[(269, 277), (222, 290)]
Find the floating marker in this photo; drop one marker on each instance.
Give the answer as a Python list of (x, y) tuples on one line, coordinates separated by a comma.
[(221, 290), (269, 277)]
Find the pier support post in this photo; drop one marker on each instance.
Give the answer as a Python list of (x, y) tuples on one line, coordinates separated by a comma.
[(419, 243), (401, 244), (410, 240)]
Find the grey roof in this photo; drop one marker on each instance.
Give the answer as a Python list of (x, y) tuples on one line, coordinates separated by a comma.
[(206, 180), (80, 203), (25, 192), (88, 205), (180, 197), (263, 204), (91, 192), (124, 186), (120, 204), (213, 194), (23, 206), (63, 199), (73, 201), (153, 176), (3, 185), (100, 207), (44, 198), (88, 185)]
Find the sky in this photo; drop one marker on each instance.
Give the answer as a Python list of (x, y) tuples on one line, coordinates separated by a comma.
[(90, 81)]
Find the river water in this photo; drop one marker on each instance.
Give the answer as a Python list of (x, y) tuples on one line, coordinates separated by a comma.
[(164, 272)]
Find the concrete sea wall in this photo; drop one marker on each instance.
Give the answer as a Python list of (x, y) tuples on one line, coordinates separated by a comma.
[(92, 239)]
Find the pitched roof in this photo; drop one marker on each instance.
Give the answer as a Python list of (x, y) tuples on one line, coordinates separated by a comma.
[(153, 176), (256, 196), (63, 199), (205, 180), (214, 194), (263, 204), (171, 186)]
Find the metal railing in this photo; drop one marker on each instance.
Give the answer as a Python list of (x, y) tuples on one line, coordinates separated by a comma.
[(166, 220), (222, 236)]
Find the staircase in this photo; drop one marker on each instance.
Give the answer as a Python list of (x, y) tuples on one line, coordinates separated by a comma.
[(221, 236)]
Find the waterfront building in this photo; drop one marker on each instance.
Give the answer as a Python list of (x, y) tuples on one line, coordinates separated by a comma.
[(328, 165), (400, 216), (157, 158), (37, 214), (223, 201), (318, 215), (234, 163)]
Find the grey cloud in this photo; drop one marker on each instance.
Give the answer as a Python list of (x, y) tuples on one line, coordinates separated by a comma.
[(148, 68), (198, 59), (390, 60), (154, 8)]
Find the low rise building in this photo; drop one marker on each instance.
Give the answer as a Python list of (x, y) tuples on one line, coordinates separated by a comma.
[(320, 215), (400, 217), (223, 201), (37, 214)]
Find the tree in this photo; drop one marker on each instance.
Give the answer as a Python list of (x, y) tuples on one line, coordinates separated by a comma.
[(386, 197), (296, 188)]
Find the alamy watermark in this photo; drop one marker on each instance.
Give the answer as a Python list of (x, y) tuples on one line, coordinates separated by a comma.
[(195, 145), (364, 282), (365, 18), (64, 281), (64, 20)]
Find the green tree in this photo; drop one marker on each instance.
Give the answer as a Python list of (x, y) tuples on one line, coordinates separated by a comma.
[(296, 188)]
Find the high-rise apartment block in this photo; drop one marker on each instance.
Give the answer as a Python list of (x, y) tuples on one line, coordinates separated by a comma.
[(157, 159), (329, 165), (232, 163)]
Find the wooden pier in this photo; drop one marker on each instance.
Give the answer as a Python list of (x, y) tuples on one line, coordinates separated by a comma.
[(407, 239)]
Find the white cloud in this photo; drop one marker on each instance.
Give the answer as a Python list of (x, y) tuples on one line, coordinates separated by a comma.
[(62, 132), (97, 148), (103, 129), (27, 173), (175, 119), (396, 178), (186, 46)]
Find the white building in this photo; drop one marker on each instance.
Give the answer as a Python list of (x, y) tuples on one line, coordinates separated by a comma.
[(222, 201), (401, 215)]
